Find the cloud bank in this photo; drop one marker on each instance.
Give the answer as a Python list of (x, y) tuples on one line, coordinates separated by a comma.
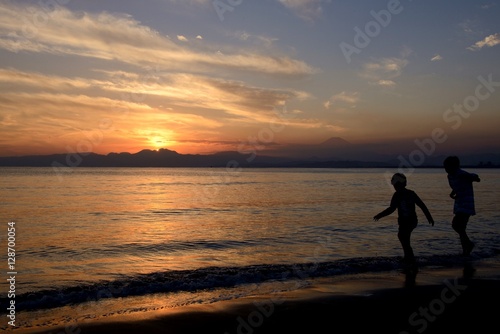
[(119, 37)]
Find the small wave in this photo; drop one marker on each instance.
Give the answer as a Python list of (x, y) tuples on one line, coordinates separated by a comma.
[(218, 277), (169, 247)]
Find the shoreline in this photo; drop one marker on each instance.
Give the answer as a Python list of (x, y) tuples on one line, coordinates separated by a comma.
[(450, 299)]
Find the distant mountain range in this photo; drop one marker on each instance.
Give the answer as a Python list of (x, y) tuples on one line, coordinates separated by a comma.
[(334, 152)]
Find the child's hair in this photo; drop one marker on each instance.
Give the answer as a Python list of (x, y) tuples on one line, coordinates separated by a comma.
[(451, 162), (399, 180)]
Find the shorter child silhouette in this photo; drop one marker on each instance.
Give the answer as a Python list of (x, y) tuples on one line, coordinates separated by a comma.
[(404, 200)]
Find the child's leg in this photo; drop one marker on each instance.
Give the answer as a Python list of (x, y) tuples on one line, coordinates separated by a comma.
[(459, 224), (404, 235)]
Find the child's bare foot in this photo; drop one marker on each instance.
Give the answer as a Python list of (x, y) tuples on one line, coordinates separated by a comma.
[(468, 249)]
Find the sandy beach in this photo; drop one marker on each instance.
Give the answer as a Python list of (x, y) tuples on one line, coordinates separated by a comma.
[(440, 300)]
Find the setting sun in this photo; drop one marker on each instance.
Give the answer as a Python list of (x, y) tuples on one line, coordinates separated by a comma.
[(160, 141)]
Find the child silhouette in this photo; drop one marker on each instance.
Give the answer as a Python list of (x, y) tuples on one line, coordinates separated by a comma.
[(463, 193), (404, 200)]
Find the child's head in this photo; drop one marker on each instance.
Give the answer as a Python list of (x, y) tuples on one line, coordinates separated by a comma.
[(451, 164), (398, 180)]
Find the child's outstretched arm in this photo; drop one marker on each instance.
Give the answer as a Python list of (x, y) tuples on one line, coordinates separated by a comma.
[(384, 213), (472, 177), (424, 209)]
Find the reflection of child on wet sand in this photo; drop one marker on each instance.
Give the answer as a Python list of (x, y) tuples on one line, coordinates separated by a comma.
[(404, 200), (463, 193)]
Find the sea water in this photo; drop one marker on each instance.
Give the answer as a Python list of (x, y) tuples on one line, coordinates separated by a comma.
[(197, 235)]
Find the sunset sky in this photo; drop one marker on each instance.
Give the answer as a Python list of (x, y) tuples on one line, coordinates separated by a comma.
[(201, 76)]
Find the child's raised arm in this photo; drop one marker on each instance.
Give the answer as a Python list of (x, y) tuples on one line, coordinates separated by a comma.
[(384, 213), (472, 177)]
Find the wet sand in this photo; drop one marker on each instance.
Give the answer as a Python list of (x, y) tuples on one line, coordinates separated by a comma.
[(450, 300)]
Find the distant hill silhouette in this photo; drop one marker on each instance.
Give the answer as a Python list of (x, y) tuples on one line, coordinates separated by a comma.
[(334, 152), (335, 142), (333, 149)]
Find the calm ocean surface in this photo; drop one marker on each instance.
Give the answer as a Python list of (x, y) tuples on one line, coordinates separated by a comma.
[(194, 235)]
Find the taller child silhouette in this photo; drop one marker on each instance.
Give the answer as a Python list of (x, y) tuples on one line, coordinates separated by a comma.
[(463, 193)]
